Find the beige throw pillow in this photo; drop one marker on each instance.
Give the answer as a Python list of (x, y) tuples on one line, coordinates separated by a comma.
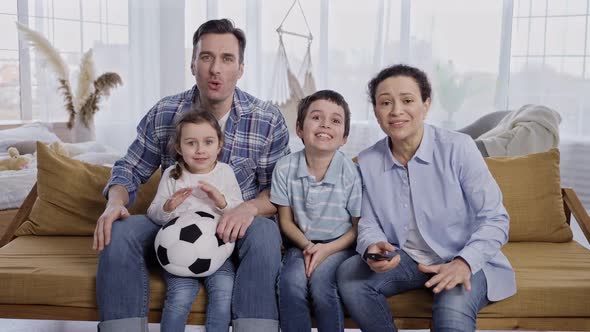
[(69, 196), (531, 188)]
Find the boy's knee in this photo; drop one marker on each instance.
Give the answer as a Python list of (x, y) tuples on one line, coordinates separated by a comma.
[(323, 291), (345, 271), (292, 289), (349, 285), (292, 280), (323, 281)]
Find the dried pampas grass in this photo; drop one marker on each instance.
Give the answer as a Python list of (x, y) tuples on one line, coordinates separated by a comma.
[(102, 87), (85, 79), (44, 46), (89, 90), (56, 62)]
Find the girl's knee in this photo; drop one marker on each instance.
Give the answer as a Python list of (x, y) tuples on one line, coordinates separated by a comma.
[(181, 289), (179, 302)]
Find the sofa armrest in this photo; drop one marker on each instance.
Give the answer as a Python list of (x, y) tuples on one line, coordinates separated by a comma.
[(20, 217), (572, 204)]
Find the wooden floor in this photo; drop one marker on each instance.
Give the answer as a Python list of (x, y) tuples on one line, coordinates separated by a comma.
[(21, 325)]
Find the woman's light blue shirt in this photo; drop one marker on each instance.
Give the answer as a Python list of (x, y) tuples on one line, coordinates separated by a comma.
[(457, 204)]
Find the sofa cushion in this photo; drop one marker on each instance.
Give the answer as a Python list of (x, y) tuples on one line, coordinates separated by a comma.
[(531, 188), (61, 270), (70, 196), (552, 279)]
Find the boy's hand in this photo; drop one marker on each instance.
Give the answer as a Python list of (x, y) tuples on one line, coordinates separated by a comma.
[(177, 199), (314, 255), (213, 193)]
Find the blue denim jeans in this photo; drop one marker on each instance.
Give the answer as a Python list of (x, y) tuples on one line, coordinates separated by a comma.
[(122, 280), (296, 292), (365, 293), (181, 293)]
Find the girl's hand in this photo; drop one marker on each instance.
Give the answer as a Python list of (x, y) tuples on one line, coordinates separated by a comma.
[(214, 194), (314, 255), (177, 198)]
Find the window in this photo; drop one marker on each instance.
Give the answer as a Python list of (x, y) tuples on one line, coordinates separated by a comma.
[(550, 59), (359, 40), (9, 63), (71, 26), (457, 42), (354, 55)]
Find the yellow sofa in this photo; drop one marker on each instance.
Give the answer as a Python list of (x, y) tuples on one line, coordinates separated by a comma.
[(47, 266)]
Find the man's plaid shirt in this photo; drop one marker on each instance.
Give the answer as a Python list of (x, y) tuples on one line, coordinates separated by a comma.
[(256, 137)]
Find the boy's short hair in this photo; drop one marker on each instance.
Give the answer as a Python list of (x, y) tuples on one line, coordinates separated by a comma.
[(328, 95)]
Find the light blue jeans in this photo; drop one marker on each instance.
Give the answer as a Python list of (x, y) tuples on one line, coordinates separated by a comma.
[(296, 292), (122, 279), (181, 293), (365, 293)]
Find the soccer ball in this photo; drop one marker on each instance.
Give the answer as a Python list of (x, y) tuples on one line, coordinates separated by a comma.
[(188, 246)]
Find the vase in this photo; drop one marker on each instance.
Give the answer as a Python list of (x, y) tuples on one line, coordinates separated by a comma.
[(81, 133)]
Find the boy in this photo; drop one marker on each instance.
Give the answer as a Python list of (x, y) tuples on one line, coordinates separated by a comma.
[(318, 194)]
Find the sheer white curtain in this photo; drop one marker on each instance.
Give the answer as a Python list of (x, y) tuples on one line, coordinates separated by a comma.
[(152, 66), (141, 77), (472, 51), (353, 41)]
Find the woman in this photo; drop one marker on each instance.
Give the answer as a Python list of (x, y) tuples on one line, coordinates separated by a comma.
[(430, 202)]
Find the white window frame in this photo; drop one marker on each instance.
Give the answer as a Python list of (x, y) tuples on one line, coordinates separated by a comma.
[(25, 79)]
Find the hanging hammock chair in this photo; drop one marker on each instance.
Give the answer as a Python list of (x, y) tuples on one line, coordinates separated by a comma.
[(287, 90)]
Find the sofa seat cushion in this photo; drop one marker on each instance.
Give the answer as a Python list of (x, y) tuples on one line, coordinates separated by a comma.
[(552, 279), (60, 270)]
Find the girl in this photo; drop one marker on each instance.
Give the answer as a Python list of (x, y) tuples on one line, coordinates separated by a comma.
[(197, 182)]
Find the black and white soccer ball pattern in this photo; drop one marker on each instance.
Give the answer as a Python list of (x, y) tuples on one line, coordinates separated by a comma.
[(188, 246)]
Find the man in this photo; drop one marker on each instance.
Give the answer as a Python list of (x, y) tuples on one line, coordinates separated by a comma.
[(256, 136)]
